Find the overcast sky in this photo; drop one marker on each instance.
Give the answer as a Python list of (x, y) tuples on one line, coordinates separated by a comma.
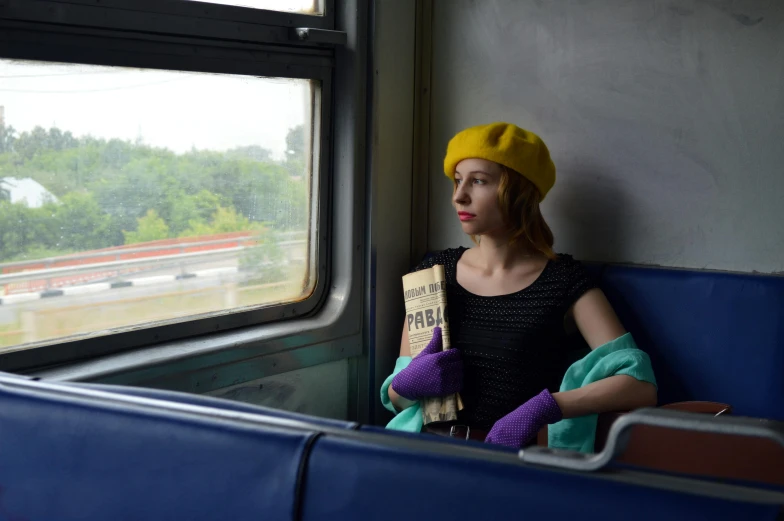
[(176, 110)]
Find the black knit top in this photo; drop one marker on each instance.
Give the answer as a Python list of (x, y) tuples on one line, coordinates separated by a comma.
[(513, 345)]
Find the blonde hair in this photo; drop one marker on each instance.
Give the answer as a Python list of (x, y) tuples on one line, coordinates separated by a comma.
[(519, 201)]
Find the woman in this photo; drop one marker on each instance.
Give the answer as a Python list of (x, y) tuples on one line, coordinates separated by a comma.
[(511, 300)]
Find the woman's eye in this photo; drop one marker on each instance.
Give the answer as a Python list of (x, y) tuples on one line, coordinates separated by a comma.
[(458, 182)]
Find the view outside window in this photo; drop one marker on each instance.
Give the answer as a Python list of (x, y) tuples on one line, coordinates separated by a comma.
[(134, 196), (296, 6)]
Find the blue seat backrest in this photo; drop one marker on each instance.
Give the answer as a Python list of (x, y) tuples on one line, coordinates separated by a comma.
[(69, 458), (354, 480), (711, 336), (220, 403)]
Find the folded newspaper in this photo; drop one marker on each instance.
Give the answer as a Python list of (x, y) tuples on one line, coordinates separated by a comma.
[(425, 297)]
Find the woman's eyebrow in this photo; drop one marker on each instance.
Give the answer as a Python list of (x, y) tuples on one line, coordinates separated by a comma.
[(474, 172)]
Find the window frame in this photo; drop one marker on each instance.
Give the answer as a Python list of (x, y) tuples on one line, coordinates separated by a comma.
[(185, 18), (230, 336)]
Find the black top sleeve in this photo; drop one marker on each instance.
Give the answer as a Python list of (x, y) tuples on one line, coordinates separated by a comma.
[(439, 257), (579, 281)]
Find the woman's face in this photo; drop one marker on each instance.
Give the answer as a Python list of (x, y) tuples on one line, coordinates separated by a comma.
[(476, 197)]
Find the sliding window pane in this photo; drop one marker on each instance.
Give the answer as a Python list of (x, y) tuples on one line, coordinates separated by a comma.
[(134, 197)]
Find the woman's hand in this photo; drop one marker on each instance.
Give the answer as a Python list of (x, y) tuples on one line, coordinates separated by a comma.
[(520, 426), (434, 372)]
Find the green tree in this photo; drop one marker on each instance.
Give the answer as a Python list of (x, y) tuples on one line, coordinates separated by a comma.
[(83, 224), (76, 223), (151, 228), (254, 189), (30, 143), (224, 220), (7, 138), (5, 192), (294, 202), (117, 153), (187, 211), (142, 184), (117, 182), (38, 140), (265, 262), (252, 152), (59, 140), (24, 231)]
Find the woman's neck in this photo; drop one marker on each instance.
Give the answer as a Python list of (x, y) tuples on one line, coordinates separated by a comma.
[(498, 254)]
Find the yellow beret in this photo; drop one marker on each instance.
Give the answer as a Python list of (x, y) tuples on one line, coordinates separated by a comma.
[(505, 144)]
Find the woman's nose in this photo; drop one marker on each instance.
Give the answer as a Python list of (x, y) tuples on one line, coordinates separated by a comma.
[(460, 196)]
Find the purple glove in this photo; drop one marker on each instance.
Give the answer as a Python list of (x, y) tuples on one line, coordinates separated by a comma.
[(433, 372), (521, 425)]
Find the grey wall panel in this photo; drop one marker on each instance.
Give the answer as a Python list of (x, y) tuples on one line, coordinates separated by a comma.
[(665, 120), (392, 148), (320, 390)]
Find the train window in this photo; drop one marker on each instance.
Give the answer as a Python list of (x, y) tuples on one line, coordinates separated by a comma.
[(296, 6), (171, 178), (134, 197)]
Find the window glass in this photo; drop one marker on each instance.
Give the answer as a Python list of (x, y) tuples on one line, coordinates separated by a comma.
[(295, 6), (136, 197)]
